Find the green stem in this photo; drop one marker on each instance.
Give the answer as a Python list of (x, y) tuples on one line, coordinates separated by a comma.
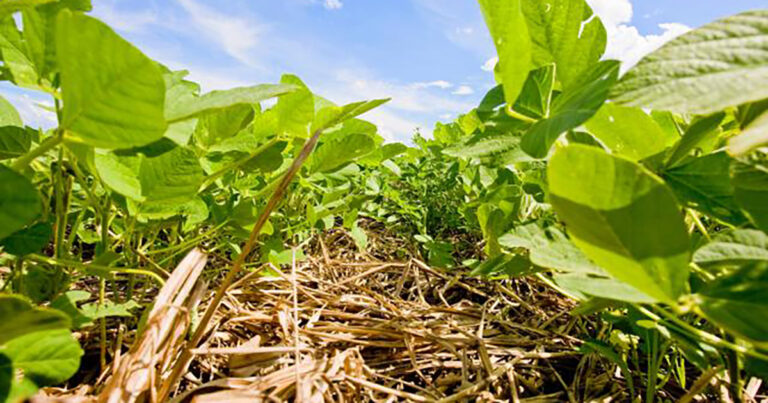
[(83, 266), (706, 337), (517, 115), (47, 145)]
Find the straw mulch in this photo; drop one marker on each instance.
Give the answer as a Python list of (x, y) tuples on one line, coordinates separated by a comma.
[(345, 325)]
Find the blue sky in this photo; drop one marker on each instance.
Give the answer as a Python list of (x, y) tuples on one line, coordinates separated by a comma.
[(430, 56)]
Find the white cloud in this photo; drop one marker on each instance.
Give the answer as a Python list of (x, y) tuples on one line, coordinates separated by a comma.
[(123, 20), (465, 30), (612, 12), (490, 64), (333, 4), (442, 84), (238, 36), (625, 42), (463, 90)]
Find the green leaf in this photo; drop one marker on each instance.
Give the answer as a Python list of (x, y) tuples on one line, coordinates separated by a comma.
[(8, 7), (162, 171), (32, 239), (603, 287), (536, 97), (14, 56), (549, 248), (604, 350), (734, 247), (750, 182), (629, 132), (509, 31), (705, 184), (340, 151), (9, 116), (572, 108), (46, 358), (295, 111), (18, 317), (755, 136), (695, 135), (217, 126), (737, 303), (724, 63), (504, 264), (14, 141), (113, 95), (567, 33), (192, 106), (623, 218), (19, 202)]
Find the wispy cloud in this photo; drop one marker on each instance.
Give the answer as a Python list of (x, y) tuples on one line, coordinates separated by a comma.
[(333, 4), (124, 20), (442, 84), (463, 90), (236, 35)]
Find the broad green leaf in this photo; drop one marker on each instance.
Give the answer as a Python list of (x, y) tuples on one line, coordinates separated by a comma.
[(509, 32), (572, 108), (623, 218), (167, 174), (8, 7), (697, 133), (113, 94), (9, 116), (704, 184), (120, 172), (40, 34), (603, 287), (334, 154), (505, 264), (755, 136), (18, 317), (214, 127), (385, 152), (191, 106), (162, 171), (295, 111), (19, 202), (67, 303), (737, 303), (488, 147), (46, 358), (14, 56), (734, 247), (32, 239), (493, 223), (567, 33), (536, 96), (750, 182), (14, 141), (549, 248), (724, 63), (629, 132)]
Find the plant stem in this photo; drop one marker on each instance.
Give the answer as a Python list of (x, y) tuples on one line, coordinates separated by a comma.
[(706, 337), (47, 145)]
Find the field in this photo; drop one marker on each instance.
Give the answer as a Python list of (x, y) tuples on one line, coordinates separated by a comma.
[(584, 234)]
